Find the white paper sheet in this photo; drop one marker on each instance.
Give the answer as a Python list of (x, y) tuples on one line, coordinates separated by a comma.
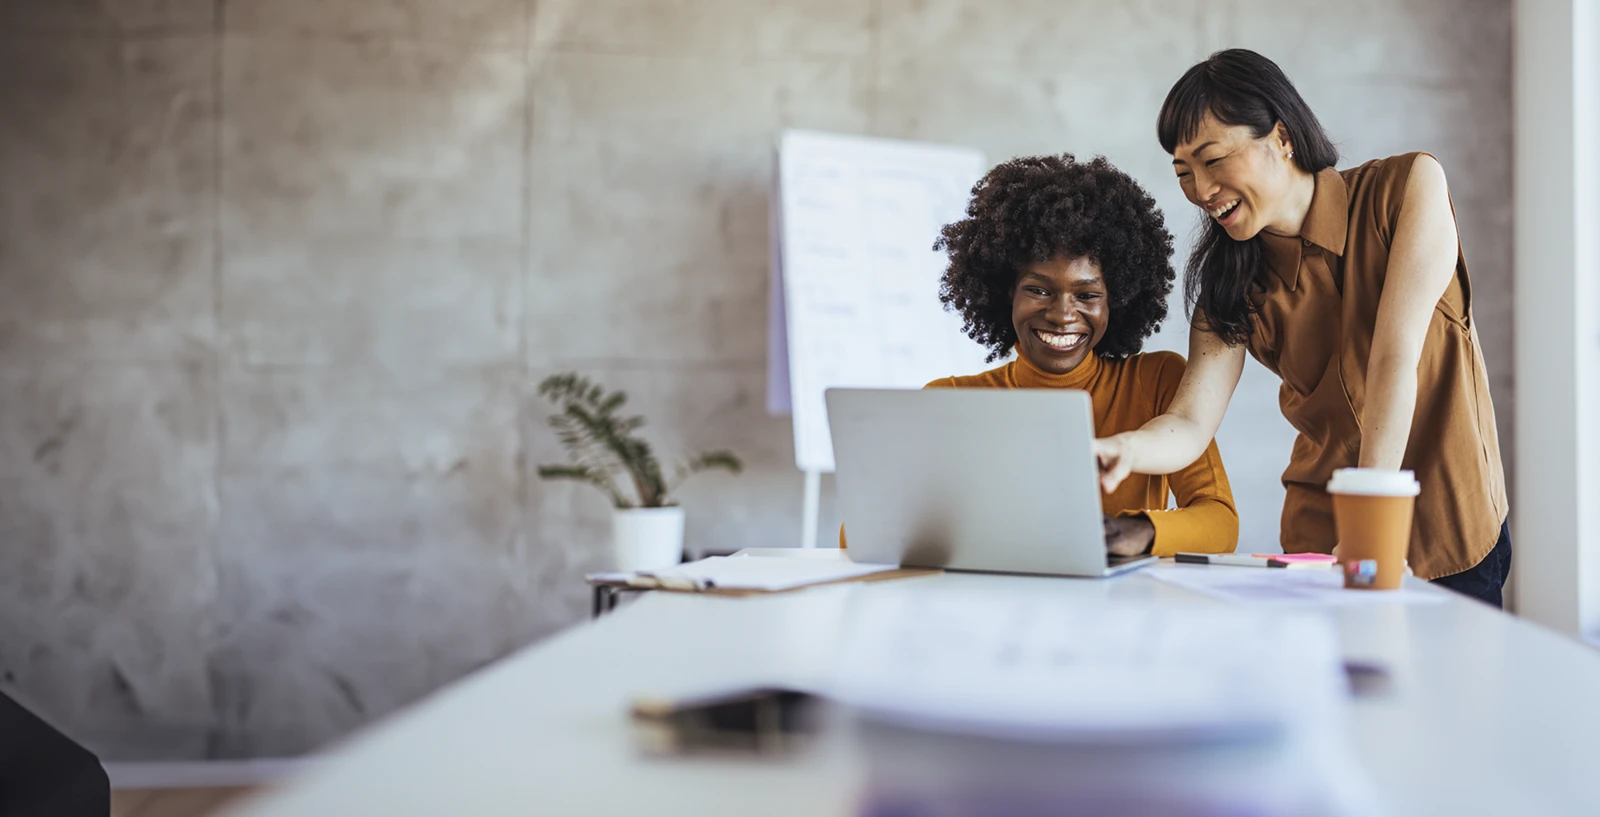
[(976, 693), (854, 277), (1037, 666), (746, 573), (1263, 587)]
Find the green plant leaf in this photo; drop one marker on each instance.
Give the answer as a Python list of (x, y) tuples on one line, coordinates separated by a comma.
[(646, 472), (579, 473), (601, 431), (563, 388), (725, 460), (599, 442), (582, 444)]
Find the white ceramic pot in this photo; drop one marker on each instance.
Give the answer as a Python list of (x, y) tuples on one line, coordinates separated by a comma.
[(647, 538)]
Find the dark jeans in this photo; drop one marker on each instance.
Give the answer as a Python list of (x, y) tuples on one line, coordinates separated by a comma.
[(43, 772), (1485, 580)]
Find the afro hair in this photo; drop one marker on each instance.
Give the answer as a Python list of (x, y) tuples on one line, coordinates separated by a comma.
[(1039, 208)]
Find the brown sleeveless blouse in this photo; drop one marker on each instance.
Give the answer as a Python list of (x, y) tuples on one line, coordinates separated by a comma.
[(1314, 329)]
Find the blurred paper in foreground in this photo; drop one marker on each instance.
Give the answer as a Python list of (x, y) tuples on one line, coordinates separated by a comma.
[(985, 703)]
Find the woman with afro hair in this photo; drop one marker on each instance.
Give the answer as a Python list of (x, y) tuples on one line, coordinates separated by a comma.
[(1067, 263)]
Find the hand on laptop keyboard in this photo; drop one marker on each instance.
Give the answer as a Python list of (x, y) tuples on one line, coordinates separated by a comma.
[(1129, 535)]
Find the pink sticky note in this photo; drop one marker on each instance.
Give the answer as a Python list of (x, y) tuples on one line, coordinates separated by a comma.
[(1298, 557)]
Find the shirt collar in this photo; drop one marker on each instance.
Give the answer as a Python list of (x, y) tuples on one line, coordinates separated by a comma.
[(1025, 375), (1327, 225)]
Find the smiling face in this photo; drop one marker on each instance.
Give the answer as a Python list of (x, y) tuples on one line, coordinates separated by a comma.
[(1246, 184), (1060, 311)]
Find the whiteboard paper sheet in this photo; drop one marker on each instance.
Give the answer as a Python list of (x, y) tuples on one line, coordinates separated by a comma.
[(854, 276)]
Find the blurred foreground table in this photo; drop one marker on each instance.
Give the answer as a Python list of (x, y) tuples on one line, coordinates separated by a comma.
[(1482, 713)]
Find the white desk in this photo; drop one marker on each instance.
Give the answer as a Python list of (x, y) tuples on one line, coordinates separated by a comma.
[(1488, 714)]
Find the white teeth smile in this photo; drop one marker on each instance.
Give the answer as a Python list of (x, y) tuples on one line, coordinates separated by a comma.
[(1061, 341), (1223, 210)]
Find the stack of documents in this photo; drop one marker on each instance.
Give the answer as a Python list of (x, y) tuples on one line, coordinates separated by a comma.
[(755, 574), (1032, 665), (740, 574), (988, 702)]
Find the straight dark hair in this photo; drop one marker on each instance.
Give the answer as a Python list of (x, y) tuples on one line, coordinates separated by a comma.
[(1238, 87)]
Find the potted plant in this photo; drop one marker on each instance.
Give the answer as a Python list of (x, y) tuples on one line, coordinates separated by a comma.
[(646, 524)]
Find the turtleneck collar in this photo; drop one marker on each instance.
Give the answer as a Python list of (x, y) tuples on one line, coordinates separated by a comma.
[(1025, 375)]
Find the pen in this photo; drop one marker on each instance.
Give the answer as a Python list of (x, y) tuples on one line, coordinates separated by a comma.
[(1243, 560)]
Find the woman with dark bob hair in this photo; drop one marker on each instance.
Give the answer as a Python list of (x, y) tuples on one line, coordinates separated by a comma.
[(1068, 264), (1350, 286)]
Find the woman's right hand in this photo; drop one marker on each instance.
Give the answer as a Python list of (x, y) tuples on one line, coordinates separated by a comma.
[(1114, 455), (1179, 435)]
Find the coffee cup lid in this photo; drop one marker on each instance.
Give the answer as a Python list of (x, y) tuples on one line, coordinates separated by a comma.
[(1374, 482)]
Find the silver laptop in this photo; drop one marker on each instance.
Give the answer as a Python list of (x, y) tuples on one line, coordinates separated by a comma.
[(999, 480)]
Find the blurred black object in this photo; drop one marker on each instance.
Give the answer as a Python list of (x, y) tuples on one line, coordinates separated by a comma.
[(746, 721), (43, 772), (1367, 680)]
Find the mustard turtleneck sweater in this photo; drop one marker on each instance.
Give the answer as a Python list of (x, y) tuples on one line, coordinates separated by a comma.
[(1126, 394)]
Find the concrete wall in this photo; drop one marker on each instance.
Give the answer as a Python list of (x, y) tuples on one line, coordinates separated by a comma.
[(277, 277)]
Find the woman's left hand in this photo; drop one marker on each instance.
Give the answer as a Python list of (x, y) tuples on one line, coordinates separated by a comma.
[(1129, 535)]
